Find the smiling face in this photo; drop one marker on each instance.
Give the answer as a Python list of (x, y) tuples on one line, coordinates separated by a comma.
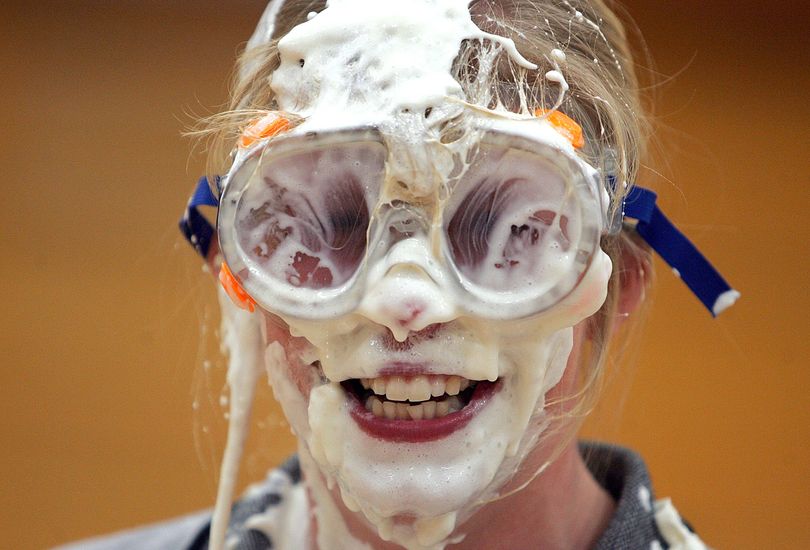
[(418, 405)]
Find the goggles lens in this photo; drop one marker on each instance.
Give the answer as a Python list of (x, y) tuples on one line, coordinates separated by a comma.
[(302, 217), (513, 222)]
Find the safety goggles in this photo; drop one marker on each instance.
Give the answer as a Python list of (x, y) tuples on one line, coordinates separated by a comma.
[(302, 218)]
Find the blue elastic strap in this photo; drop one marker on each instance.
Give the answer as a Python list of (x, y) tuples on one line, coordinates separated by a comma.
[(193, 224), (662, 236), (675, 249)]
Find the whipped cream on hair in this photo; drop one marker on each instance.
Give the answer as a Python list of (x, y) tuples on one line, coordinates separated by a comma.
[(367, 61)]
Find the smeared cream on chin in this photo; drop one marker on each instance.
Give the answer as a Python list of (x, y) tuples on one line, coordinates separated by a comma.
[(435, 481)]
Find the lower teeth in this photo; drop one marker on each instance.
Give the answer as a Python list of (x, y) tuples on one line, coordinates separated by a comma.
[(405, 411)]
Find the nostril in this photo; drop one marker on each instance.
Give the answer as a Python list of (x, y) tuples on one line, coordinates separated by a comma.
[(410, 313)]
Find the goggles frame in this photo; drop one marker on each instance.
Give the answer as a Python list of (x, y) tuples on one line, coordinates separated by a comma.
[(581, 182)]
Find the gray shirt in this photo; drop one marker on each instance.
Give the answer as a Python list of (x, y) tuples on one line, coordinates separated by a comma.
[(639, 522)]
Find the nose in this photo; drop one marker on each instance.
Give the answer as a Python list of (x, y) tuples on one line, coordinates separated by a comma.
[(406, 291)]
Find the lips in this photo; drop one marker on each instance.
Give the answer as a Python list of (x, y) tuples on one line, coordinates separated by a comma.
[(416, 408)]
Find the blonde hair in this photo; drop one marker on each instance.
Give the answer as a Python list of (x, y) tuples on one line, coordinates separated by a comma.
[(603, 98)]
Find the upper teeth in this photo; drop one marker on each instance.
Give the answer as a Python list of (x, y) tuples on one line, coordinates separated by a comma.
[(415, 388)]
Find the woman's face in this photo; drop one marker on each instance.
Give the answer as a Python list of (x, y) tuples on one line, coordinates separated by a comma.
[(413, 407)]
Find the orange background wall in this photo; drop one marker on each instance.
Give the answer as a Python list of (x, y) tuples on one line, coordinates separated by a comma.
[(101, 304)]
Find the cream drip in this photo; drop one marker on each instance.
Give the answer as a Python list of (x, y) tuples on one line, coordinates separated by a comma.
[(333, 534), (241, 340)]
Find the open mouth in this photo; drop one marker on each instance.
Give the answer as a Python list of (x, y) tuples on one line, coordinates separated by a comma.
[(416, 408)]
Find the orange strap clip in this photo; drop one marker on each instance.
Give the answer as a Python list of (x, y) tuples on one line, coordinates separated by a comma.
[(263, 128), (234, 290), (565, 126)]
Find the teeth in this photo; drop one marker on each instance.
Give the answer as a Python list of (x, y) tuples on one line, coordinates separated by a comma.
[(437, 386), (419, 389), (379, 386), (416, 412), (453, 385), (397, 389), (398, 397), (415, 388), (404, 411), (376, 406), (430, 409)]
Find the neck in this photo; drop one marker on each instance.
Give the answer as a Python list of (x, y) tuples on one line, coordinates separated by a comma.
[(562, 508)]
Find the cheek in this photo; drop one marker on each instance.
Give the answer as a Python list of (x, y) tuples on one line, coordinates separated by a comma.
[(300, 372), (561, 397)]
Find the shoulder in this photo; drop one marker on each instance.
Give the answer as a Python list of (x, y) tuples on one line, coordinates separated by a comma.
[(640, 521), (173, 534), (271, 514)]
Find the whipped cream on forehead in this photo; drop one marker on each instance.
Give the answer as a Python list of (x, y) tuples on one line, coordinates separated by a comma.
[(368, 61)]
